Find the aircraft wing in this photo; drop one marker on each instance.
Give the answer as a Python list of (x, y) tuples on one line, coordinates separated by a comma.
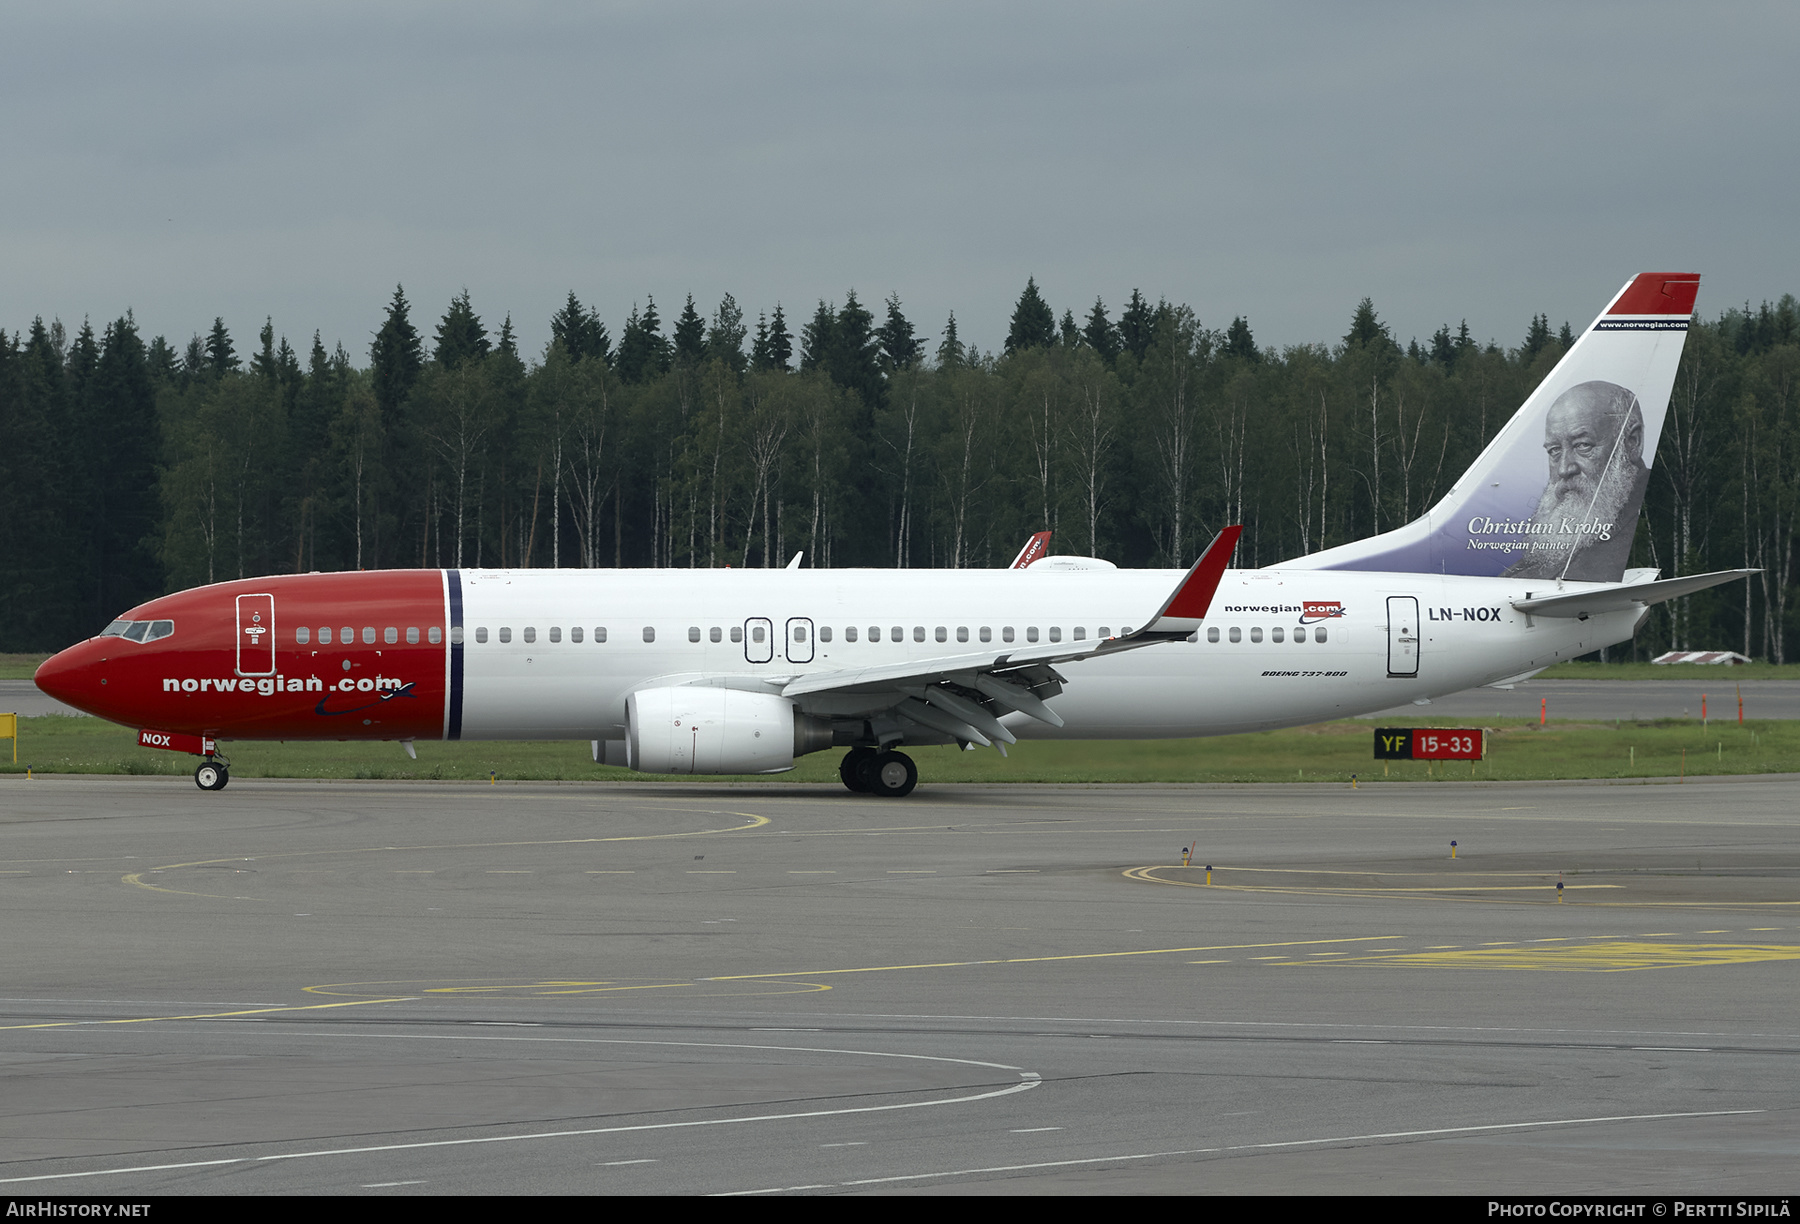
[(1624, 597), (963, 695)]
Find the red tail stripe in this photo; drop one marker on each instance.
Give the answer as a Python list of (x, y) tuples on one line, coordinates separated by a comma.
[(1659, 293)]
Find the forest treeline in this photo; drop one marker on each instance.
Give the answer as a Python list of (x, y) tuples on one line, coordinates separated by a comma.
[(133, 467)]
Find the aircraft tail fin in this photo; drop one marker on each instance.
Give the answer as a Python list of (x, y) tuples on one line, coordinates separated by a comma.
[(1597, 418)]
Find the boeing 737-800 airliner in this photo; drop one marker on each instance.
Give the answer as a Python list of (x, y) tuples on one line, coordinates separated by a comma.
[(740, 671)]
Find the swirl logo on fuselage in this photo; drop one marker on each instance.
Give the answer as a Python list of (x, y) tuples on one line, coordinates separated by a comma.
[(382, 696)]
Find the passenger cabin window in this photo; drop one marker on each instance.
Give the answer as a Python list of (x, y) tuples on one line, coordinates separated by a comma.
[(347, 636), (481, 634), (1275, 634), (412, 635), (693, 633), (435, 634), (918, 633), (987, 633), (1300, 634), (575, 633), (897, 634), (1056, 633), (941, 635), (1237, 634), (649, 633), (1319, 633), (799, 633), (962, 633), (599, 633), (1006, 634), (1080, 633), (737, 633), (1103, 632), (390, 635), (824, 633), (556, 633), (1031, 633), (757, 635), (1256, 633), (303, 635), (505, 633), (456, 636), (368, 635), (713, 634), (531, 633), (1212, 634), (850, 633)]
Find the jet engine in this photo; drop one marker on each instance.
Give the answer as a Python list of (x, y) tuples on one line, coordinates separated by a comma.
[(701, 729)]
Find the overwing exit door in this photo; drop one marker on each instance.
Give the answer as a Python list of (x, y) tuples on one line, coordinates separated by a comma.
[(759, 639), (1403, 635)]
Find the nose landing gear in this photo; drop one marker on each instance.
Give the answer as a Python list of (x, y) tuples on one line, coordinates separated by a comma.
[(870, 772), (211, 774)]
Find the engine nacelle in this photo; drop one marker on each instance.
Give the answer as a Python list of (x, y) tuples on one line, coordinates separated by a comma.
[(701, 729)]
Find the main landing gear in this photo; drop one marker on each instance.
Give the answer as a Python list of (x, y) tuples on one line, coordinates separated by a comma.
[(868, 771), (211, 775)]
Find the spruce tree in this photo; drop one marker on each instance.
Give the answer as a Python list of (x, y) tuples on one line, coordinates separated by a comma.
[(900, 348), (460, 336), (690, 335), (1239, 342), (725, 337), (396, 357), (1033, 322), (1537, 336), (950, 353), (1137, 326), (1100, 334), (1071, 334), (643, 353), (778, 347), (1365, 329), (221, 358), (818, 339)]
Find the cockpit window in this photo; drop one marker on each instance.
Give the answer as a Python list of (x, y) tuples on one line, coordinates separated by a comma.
[(139, 631)]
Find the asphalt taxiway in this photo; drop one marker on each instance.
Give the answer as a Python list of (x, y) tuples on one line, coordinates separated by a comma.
[(390, 988)]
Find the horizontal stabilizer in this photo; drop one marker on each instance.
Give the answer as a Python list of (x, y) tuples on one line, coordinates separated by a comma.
[(1623, 598)]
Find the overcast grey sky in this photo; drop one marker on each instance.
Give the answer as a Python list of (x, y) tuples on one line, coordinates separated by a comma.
[(1276, 161)]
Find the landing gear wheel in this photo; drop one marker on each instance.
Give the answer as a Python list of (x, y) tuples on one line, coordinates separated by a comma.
[(849, 769), (211, 776), (890, 774)]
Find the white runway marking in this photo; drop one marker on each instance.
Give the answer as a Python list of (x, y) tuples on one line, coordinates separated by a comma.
[(1251, 1147), (1028, 1081)]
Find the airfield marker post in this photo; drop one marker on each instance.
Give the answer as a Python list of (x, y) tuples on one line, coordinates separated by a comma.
[(9, 729)]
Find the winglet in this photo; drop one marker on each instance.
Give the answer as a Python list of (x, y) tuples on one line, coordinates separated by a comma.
[(1034, 549), (1186, 607)]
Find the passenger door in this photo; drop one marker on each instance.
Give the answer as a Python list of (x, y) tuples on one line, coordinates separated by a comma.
[(1403, 635)]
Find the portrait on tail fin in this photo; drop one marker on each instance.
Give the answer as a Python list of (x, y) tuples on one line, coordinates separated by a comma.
[(1582, 527)]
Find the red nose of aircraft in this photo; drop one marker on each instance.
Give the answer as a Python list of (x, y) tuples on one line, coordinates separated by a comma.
[(77, 677)]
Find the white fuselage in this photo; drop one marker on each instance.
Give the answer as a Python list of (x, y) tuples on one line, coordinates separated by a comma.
[(1464, 633)]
